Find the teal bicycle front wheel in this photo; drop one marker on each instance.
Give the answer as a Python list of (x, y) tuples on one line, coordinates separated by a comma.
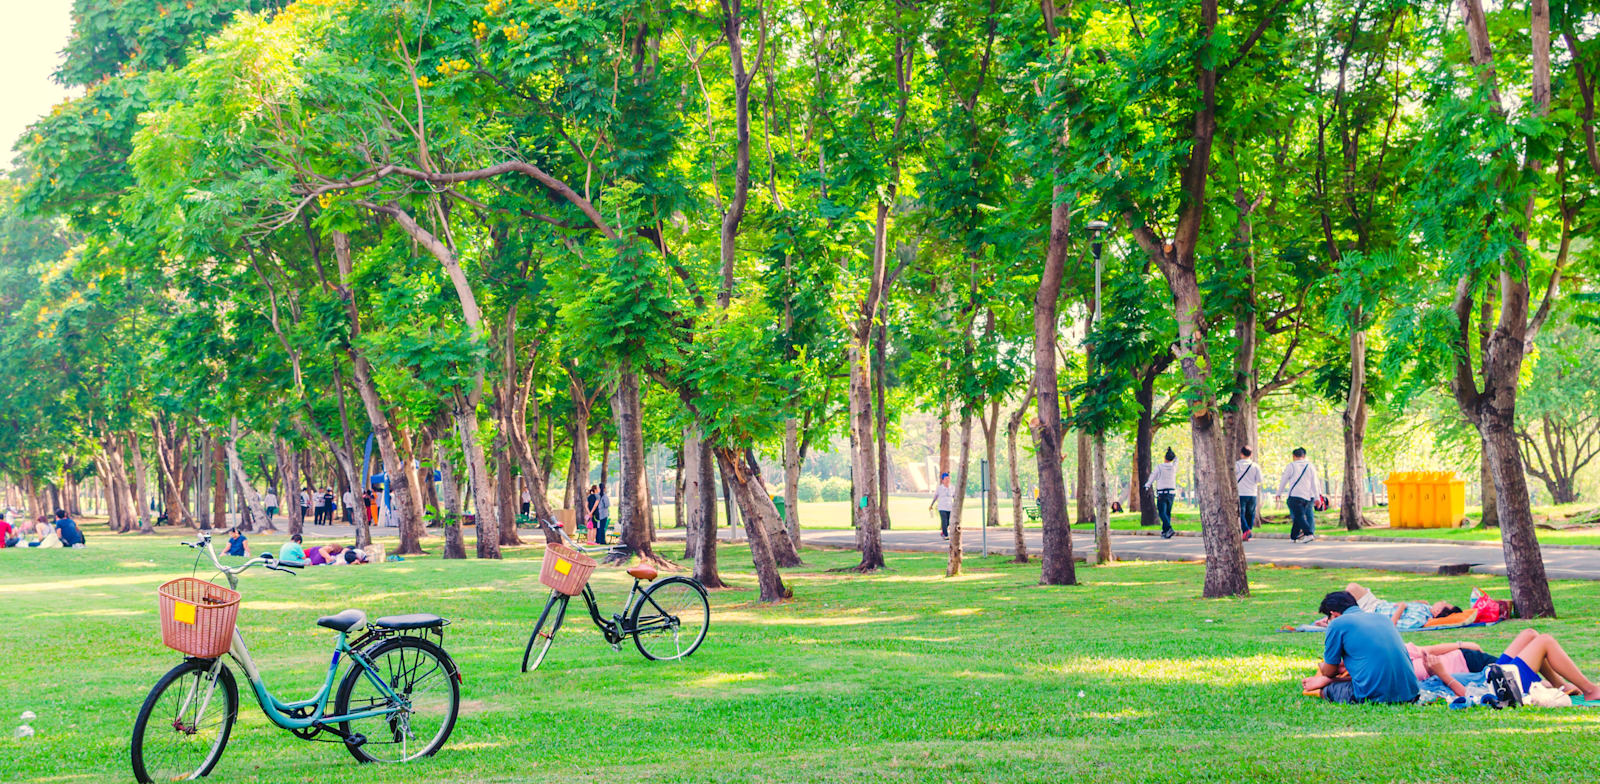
[(184, 723)]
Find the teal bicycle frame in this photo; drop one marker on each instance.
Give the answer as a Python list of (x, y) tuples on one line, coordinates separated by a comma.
[(276, 710)]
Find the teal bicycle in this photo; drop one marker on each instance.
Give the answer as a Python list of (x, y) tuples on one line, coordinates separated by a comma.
[(397, 701)]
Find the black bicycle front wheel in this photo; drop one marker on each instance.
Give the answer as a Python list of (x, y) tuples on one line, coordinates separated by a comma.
[(671, 619), (420, 673), (184, 723), (555, 611)]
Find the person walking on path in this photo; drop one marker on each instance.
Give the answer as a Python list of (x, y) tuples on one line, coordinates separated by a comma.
[(327, 506), (305, 502), (271, 503), (602, 515), (349, 507), (591, 504), (1247, 479), (942, 499), (1302, 486), (1164, 480)]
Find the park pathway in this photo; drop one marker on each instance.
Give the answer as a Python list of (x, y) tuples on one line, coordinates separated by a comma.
[(1564, 563), (1482, 558)]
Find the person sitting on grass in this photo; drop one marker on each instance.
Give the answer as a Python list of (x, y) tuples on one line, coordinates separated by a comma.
[(48, 536), (1406, 616), (292, 552), (1363, 659), (238, 544), (67, 529)]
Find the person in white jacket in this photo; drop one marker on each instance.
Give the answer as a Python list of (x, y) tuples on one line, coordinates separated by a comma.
[(1302, 486), (943, 498), (1164, 480), (1247, 479)]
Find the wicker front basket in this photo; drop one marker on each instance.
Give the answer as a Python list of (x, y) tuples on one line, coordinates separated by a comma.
[(565, 569), (197, 617)]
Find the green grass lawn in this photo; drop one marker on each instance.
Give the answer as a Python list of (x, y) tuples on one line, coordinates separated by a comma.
[(899, 676)]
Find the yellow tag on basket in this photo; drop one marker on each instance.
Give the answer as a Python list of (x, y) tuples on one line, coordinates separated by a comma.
[(183, 612), (563, 566)]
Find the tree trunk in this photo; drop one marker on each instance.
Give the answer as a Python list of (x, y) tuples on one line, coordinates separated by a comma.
[(760, 516), (1058, 567), (1225, 563), (344, 455), (881, 437), (140, 498), (959, 485), (455, 547), (677, 492), (1018, 515), (252, 498), (944, 440), (483, 500), (1102, 504), (288, 497), (863, 463), (219, 483), (1084, 489), (1354, 421), (169, 469), (633, 498), (408, 517), (784, 550), (700, 495), (1143, 453), (791, 478), (1491, 507)]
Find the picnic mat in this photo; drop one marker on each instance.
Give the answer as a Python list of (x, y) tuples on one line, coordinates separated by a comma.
[(1311, 627)]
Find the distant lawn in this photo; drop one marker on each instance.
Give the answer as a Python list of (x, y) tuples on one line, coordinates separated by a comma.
[(903, 676)]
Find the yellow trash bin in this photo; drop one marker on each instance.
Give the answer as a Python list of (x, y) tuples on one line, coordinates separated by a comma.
[(1427, 499), (1457, 505), (1408, 500), (1394, 483)]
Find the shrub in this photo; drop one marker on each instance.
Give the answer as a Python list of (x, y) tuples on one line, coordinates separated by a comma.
[(810, 489), (837, 488)]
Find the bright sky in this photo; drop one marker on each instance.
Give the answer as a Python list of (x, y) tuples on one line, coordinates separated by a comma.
[(32, 35)]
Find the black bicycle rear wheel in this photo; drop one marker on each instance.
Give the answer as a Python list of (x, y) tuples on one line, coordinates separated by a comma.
[(555, 611), (671, 619), (184, 723)]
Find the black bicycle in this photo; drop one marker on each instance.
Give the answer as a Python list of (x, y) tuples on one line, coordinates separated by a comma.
[(667, 618)]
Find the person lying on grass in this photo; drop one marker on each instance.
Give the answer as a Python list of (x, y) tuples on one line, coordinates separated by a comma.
[(1533, 657), (1406, 616), (323, 554), (1363, 659)]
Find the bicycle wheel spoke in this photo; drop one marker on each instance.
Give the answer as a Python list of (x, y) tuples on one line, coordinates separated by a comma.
[(670, 620), (419, 716), (183, 727)]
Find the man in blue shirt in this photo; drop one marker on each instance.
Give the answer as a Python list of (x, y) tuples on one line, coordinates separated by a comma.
[(68, 530), (1364, 655)]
